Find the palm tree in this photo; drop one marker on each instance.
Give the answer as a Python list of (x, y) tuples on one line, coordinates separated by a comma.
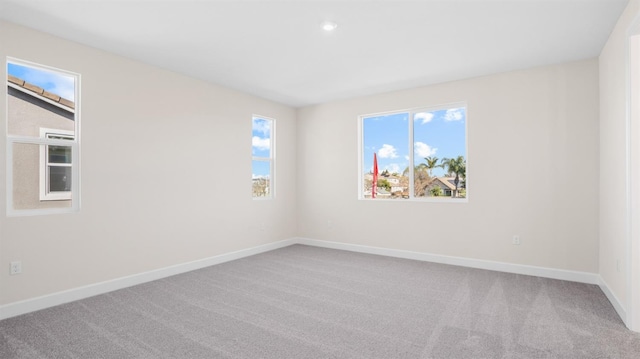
[(432, 162), (457, 166)]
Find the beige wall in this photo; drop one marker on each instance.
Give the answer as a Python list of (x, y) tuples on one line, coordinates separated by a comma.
[(533, 171), (159, 188), (613, 158), (165, 170)]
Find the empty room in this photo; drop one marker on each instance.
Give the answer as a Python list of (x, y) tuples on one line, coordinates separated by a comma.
[(320, 179)]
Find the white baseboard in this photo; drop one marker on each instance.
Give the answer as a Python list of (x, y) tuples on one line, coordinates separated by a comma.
[(573, 276), (51, 300), (614, 300)]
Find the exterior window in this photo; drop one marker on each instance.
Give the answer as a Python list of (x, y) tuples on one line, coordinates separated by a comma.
[(263, 157), (417, 154), (55, 167), (42, 139)]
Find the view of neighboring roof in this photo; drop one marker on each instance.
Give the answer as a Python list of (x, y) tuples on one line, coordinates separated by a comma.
[(40, 92), (447, 181)]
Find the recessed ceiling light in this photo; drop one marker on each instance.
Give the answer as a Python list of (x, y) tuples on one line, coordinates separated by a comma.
[(329, 26)]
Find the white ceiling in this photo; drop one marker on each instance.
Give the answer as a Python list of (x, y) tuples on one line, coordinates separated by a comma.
[(277, 49)]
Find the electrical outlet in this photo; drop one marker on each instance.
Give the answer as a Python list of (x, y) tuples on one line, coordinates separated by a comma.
[(515, 240), (16, 268)]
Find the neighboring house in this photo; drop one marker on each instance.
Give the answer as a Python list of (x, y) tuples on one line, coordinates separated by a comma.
[(382, 193), (44, 171), (396, 185), (394, 181), (447, 185), (260, 187)]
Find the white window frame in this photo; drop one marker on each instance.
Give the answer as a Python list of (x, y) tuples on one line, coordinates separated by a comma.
[(411, 113), (271, 159), (45, 193), (43, 142)]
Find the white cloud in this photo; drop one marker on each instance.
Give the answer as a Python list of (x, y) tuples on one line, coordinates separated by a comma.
[(260, 143), (61, 85), (263, 126), (66, 90), (424, 150), (255, 176), (388, 151), (426, 117), (454, 114)]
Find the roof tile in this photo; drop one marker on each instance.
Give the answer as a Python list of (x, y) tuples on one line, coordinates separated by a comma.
[(15, 80), (40, 91), (34, 88), (64, 101), (51, 96)]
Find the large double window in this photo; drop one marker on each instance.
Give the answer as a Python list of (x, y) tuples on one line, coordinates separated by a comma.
[(42, 139), (415, 154)]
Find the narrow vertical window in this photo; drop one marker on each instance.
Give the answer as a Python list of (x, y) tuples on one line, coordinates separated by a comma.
[(42, 139), (263, 157)]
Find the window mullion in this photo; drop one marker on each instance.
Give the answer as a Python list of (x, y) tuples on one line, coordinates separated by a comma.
[(411, 155), (261, 158)]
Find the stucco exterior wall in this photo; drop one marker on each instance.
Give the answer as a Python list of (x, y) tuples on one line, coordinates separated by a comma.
[(26, 115)]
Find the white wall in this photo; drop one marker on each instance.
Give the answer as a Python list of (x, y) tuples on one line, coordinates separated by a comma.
[(614, 214), (166, 174), (532, 171)]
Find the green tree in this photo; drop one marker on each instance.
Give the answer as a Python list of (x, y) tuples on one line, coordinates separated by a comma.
[(436, 191), (432, 162), (455, 166), (384, 183)]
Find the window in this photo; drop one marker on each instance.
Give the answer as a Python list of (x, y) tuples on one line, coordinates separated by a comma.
[(263, 155), (432, 140), (55, 166), (42, 139)]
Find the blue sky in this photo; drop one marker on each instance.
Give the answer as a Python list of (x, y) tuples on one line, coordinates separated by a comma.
[(261, 146), (439, 133), (54, 82)]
